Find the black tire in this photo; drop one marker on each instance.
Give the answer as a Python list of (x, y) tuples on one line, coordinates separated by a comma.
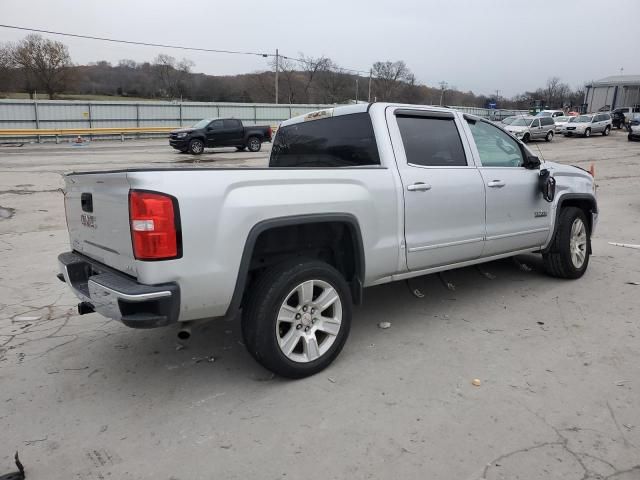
[(558, 261), (241, 148), (254, 144), (606, 132), (587, 133), (266, 296), (549, 136), (526, 138), (196, 146)]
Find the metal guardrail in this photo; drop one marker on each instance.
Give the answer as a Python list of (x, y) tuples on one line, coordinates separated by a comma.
[(90, 132), (75, 132)]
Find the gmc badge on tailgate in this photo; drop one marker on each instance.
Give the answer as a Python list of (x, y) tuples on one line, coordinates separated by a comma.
[(88, 220)]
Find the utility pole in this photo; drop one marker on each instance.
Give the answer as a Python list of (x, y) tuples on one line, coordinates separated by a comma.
[(277, 69), (357, 78), (370, 76), (443, 87)]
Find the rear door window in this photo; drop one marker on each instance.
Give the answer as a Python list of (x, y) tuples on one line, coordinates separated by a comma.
[(341, 141), (431, 142), (231, 124)]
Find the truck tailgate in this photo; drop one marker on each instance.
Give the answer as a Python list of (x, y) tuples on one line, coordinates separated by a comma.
[(97, 211)]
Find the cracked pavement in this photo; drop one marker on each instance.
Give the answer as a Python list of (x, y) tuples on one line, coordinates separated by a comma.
[(83, 397)]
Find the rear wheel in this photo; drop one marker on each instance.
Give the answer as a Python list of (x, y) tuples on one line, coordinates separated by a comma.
[(196, 146), (607, 130), (587, 132), (568, 255), (297, 317), (549, 136), (254, 144)]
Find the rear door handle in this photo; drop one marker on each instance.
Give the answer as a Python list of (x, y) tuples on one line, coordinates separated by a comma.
[(496, 183), (419, 187)]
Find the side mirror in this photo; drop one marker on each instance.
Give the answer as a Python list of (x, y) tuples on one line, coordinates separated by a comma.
[(531, 162)]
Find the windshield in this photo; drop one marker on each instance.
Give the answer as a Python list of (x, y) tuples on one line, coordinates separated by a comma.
[(544, 114), (521, 122), (583, 119), (203, 123), (560, 119), (508, 120), (572, 119)]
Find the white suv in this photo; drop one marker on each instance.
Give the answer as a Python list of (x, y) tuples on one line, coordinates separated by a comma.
[(585, 125)]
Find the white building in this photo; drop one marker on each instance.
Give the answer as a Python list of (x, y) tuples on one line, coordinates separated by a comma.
[(613, 92)]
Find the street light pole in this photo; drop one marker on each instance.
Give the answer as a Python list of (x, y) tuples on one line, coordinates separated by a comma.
[(370, 75), (277, 69)]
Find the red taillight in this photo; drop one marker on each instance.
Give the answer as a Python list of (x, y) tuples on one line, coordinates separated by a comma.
[(154, 229), (269, 132)]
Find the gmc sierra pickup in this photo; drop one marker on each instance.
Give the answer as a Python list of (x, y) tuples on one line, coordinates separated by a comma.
[(219, 132), (354, 196)]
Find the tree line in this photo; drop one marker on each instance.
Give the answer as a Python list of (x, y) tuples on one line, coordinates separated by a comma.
[(43, 65)]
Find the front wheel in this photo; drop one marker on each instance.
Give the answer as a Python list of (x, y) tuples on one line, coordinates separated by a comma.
[(196, 146), (297, 317), (587, 133), (254, 144), (568, 255), (606, 132), (549, 137)]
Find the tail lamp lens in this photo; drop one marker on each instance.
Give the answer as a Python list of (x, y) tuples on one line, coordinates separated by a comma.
[(154, 229)]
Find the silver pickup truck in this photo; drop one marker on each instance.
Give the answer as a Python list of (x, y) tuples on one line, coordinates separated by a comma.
[(353, 196)]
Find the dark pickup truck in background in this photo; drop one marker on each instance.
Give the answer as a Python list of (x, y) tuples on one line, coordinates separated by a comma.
[(219, 132)]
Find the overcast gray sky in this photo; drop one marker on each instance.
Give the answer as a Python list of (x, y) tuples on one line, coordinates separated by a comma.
[(479, 45)]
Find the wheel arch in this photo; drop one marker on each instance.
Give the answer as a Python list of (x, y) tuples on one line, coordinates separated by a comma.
[(347, 220), (585, 202)]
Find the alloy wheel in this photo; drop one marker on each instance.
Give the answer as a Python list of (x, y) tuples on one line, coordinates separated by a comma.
[(309, 321)]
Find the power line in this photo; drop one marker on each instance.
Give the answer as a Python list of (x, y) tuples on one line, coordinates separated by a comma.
[(162, 45), (146, 44)]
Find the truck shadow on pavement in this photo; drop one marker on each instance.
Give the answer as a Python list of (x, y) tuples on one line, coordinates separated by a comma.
[(215, 354)]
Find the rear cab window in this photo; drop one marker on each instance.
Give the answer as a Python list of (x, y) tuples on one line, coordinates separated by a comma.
[(340, 141)]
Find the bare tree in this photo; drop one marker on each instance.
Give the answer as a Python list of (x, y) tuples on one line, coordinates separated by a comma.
[(173, 75), (6, 66), (310, 68), (556, 92), (44, 62), (389, 76), (334, 84)]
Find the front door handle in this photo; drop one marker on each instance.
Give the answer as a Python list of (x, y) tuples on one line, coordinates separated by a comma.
[(419, 187), (496, 183)]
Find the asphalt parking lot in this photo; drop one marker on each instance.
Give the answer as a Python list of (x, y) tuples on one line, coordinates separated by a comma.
[(558, 361)]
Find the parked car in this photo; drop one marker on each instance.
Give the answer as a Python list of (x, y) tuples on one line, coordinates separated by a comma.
[(586, 125), (550, 113), (532, 128), (509, 120), (219, 132), (634, 127), (354, 196), (620, 117), (560, 123)]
